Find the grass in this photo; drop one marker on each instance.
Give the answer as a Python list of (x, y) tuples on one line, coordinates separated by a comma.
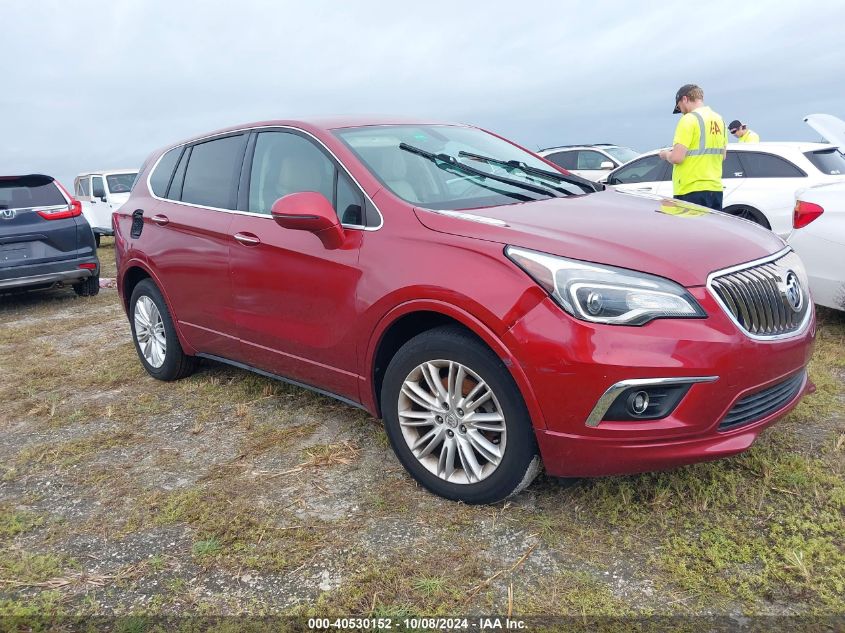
[(241, 466)]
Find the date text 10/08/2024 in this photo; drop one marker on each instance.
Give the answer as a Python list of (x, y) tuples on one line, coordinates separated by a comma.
[(427, 624)]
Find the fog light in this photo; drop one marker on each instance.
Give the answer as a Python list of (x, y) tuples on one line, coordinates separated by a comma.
[(638, 402)]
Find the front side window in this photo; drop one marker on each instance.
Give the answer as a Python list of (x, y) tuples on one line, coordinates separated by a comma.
[(648, 169), (588, 159), (350, 201), (453, 167), (120, 183), (285, 163), (97, 189), (211, 177), (759, 165)]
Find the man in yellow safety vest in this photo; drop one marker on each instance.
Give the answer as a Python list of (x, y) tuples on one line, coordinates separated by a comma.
[(742, 133), (698, 150)]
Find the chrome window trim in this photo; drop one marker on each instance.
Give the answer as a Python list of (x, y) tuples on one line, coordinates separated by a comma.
[(263, 128), (612, 392), (757, 262)]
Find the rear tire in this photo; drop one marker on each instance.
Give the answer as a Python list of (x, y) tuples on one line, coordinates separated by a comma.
[(88, 287), (97, 239), (155, 337), (456, 419)]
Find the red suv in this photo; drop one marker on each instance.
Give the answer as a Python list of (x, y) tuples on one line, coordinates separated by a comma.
[(490, 307)]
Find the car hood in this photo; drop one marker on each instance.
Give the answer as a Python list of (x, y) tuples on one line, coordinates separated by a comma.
[(830, 127), (661, 236)]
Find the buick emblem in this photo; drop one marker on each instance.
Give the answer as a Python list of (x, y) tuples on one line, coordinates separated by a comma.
[(794, 294), (7, 214)]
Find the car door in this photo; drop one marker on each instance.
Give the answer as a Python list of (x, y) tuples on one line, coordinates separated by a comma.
[(186, 238), (648, 174), (769, 187), (99, 214), (294, 298)]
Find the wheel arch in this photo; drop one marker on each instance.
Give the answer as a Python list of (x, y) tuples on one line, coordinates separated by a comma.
[(764, 220), (410, 319), (134, 274)]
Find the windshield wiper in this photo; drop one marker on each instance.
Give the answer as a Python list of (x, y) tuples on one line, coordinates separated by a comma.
[(536, 171), (447, 162)]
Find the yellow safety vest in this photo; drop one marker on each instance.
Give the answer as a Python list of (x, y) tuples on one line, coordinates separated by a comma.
[(703, 133), (749, 137)]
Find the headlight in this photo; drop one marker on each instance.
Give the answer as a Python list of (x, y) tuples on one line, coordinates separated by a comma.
[(605, 294)]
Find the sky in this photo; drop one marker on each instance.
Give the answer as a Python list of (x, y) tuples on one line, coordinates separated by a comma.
[(92, 85)]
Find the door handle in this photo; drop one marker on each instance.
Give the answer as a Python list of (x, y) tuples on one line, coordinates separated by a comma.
[(159, 219), (247, 239)]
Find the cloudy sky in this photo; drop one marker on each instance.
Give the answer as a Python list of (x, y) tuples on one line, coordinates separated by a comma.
[(97, 85)]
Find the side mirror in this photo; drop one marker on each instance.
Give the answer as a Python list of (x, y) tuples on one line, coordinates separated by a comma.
[(103, 198), (309, 211), (606, 164)]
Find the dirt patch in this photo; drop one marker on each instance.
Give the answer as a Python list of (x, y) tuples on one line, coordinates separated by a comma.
[(229, 493)]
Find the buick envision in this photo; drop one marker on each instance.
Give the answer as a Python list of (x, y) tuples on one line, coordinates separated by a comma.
[(491, 308)]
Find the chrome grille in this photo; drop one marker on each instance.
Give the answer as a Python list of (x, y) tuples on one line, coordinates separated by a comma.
[(761, 296), (763, 403)]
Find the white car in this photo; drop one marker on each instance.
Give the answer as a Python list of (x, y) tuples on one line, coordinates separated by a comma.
[(589, 161), (819, 226), (100, 193), (760, 179)]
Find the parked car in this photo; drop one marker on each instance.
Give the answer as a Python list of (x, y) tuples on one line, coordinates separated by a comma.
[(44, 239), (819, 237), (101, 193), (760, 179), (589, 161), (490, 308)]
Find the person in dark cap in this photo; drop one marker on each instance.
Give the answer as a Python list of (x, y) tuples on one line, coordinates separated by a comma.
[(742, 133), (698, 150)]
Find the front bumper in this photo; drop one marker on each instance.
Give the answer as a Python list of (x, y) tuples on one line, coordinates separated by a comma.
[(45, 275), (570, 364)]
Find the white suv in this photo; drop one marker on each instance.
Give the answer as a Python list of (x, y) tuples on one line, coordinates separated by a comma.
[(760, 179), (100, 193), (589, 161)]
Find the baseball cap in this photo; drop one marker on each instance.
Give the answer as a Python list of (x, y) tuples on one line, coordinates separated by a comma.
[(734, 125), (683, 91)]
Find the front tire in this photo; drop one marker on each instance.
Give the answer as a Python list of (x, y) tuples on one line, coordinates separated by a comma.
[(456, 419), (155, 337)]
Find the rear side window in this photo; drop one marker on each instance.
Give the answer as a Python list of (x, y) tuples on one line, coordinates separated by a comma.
[(759, 165), (163, 171), (211, 178), (567, 160), (82, 187), (731, 167), (24, 192), (828, 161)]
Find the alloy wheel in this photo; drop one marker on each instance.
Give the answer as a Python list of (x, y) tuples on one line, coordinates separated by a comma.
[(149, 331), (452, 421)]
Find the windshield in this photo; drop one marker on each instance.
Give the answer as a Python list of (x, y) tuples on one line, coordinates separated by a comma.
[(622, 154), (24, 192), (437, 185), (120, 183)]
